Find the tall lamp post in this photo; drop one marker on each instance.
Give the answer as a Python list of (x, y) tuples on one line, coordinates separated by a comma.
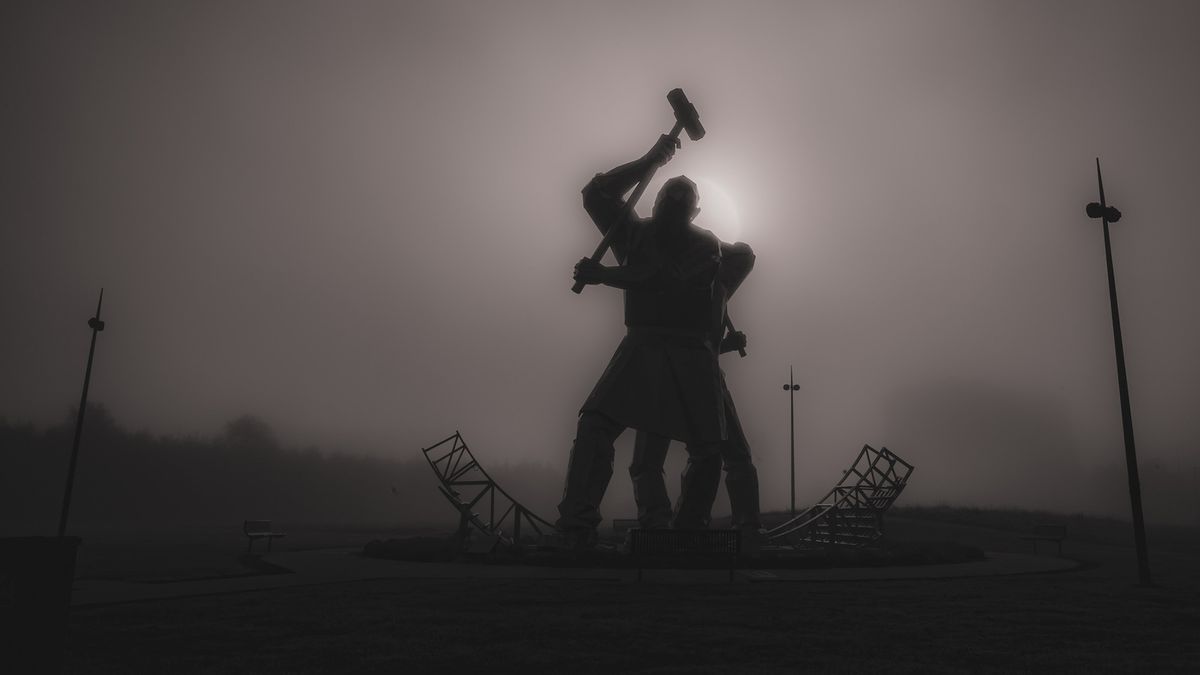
[(96, 325), (1108, 214), (791, 388)]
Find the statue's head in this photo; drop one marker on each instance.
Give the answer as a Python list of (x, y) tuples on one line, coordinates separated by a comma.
[(677, 202)]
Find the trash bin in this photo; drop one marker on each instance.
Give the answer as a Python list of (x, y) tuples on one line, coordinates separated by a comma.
[(36, 574)]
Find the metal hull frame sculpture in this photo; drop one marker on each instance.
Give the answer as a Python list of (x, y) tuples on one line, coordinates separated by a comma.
[(480, 502), (851, 514)]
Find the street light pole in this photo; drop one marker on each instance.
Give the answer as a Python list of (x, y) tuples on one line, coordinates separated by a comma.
[(96, 325), (1109, 214), (791, 388)]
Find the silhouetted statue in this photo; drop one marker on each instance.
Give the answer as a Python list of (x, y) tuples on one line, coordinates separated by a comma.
[(663, 378), (701, 477)]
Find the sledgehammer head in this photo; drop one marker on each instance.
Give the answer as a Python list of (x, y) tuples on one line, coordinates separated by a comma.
[(685, 114)]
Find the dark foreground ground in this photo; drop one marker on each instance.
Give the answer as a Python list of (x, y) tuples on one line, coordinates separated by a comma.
[(1092, 620)]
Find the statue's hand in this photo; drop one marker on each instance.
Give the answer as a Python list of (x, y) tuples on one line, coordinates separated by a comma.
[(589, 271), (733, 342), (663, 150)]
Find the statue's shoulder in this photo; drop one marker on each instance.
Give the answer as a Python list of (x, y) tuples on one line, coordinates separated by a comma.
[(704, 248), (738, 253), (702, 238)]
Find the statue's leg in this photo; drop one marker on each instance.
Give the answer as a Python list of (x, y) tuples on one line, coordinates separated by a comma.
[(649, 485), (698, 486), (741, 478), (588, 473), (741, 482)]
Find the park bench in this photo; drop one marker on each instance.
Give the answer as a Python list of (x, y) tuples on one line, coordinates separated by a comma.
[(645, 544), (1054, 533), (259, 529)]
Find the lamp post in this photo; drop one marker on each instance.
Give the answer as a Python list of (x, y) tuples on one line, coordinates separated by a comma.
[(1108, 214), (96, 325), (791, 388)]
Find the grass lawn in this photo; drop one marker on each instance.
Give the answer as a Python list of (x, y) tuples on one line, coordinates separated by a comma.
[(1092, 620)]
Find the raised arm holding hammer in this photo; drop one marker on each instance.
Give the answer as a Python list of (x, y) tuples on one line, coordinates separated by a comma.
[(637, 175)]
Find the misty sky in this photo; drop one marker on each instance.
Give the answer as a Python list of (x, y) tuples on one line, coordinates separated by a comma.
[(358, 221)]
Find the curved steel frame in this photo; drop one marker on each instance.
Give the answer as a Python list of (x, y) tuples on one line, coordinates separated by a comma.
[(468, 488), (851, 514)]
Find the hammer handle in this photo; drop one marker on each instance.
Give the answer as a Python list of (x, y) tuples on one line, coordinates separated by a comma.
[(627, 211)]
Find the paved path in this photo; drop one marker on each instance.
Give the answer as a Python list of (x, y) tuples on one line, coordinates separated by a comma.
[(325, 566)]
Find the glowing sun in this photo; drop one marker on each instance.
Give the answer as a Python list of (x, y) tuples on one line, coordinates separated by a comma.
[(718, 211)]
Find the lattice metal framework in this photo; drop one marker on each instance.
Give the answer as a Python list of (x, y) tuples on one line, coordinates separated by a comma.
[(852, 513), (480, 502)]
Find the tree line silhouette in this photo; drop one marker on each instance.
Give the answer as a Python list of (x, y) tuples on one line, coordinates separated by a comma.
[(137, 479)]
